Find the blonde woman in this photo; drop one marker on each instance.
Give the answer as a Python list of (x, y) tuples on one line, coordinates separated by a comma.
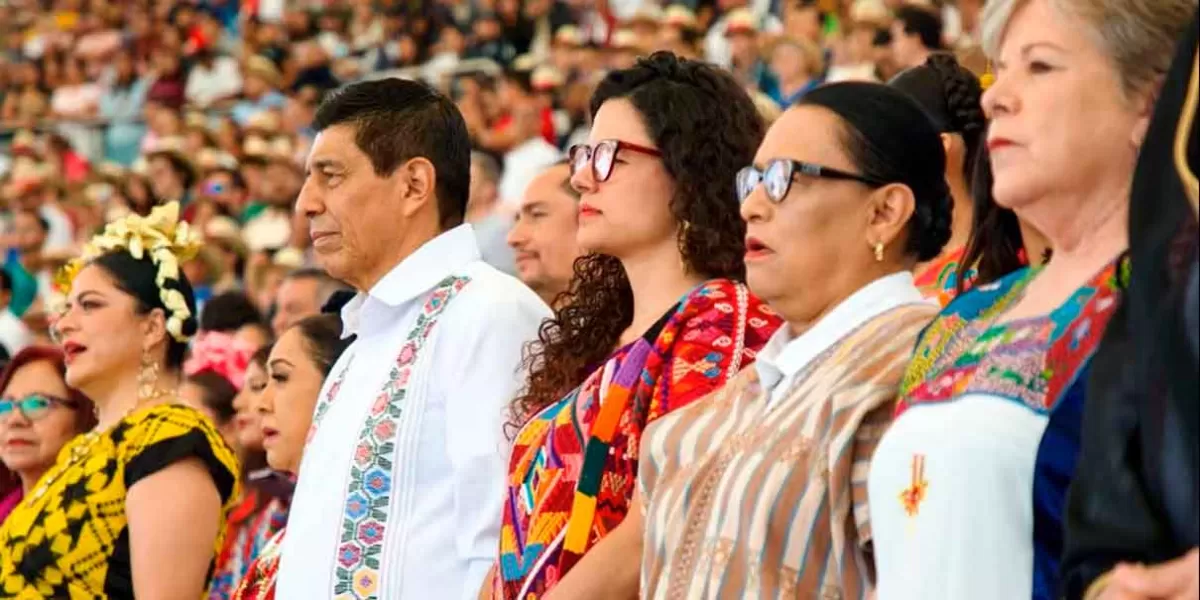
[(967, 488)]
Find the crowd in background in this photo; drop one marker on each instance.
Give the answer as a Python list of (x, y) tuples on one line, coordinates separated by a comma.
[(114, 107)]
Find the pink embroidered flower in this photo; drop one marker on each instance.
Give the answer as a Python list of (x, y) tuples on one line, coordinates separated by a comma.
[(381, 405), (407, 353), (349, 554), (362, 454), (385, 431), (370, 533)]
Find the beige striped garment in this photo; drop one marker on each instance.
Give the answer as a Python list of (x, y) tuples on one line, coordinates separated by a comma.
[(745, 499)]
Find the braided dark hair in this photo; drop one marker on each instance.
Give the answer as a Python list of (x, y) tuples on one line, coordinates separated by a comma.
[(707, 128), (888, 140), (951, 96)]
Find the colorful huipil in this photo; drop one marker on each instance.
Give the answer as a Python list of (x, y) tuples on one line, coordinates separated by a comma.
[(939, 279), (259, 583), (251, 525), (759, 490), (70, 537), (985, 444), (574, 465)]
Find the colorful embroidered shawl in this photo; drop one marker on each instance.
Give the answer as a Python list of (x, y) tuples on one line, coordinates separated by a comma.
[(1040, 363), (252, 523), (574, 465)]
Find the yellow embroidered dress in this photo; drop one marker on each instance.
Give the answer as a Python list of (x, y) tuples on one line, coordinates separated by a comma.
[(68, 539)]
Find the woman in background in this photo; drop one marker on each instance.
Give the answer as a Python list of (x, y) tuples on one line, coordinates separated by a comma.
[(217, 374), (39, 415), (657, 316), (297, 366), (967, 489), (950, 95)]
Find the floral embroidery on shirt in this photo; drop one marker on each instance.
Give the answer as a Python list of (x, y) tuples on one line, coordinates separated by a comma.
[(369, 492)]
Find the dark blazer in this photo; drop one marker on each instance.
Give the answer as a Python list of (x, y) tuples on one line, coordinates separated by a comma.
[(1134, 497)]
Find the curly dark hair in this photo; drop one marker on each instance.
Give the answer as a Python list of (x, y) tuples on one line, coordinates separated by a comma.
[(707, 128)]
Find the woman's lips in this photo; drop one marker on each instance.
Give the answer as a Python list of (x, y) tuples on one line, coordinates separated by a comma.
[(755, 248), (72, 350), (269, 435)]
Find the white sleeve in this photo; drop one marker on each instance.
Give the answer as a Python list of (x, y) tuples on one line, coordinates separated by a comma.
[(483, 379)]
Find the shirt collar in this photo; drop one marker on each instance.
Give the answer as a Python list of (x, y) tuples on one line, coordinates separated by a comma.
[(420, 272), (784, 356)]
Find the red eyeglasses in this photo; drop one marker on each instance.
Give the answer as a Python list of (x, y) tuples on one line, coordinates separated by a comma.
[(602, 156)]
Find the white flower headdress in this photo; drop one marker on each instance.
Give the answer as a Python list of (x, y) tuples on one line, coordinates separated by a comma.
[(160, 235)]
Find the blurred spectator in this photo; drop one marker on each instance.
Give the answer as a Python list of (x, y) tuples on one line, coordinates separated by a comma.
[(213, 79), (796, 65), (717, 46), (260, 89), (488, 217), (301, 294), (14, 334), (746, 62), (26, 264), (487, 42), (169, 84), (916, 33), (122, 104), (172, 172)]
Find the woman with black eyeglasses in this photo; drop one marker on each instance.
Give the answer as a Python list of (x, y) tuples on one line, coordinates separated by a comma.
[(656, 318), (760, 489), (39, 414)]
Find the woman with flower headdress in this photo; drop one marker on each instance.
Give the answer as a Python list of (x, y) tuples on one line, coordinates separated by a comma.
[(149, 486)]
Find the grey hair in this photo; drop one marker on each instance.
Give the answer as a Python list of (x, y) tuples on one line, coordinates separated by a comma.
[(1138, 36), (488, 165)]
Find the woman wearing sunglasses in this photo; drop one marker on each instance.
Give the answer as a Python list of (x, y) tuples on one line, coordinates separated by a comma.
[(760, 490), (656, 319), (39, 414)]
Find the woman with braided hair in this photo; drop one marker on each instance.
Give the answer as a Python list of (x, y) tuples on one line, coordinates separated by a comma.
[(657, 316), (149, 487), (950, 95)]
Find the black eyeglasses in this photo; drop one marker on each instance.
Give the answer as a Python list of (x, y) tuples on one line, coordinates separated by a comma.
[(32, 407), (602, 156), (778, 174)]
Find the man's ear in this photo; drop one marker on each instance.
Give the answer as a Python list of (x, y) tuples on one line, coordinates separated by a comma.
[(417, 178)]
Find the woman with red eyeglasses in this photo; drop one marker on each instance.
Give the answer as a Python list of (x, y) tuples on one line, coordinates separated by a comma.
[(656, 316), (39, 414)]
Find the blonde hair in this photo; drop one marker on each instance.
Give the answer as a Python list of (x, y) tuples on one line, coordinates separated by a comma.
[(1138, 36)]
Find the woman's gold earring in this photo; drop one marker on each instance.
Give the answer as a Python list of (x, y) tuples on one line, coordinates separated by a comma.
[(878, 251), (147, 378)]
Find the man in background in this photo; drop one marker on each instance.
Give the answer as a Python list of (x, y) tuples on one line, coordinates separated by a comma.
[(916, 33), (301, 295), (14, 335), (490, 219), (544, 234)]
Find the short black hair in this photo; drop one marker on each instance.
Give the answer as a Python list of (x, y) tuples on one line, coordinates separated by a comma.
[(889, 138), (923, 23), (396, 120), (326, 286), (229, 312), (235, 177)]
